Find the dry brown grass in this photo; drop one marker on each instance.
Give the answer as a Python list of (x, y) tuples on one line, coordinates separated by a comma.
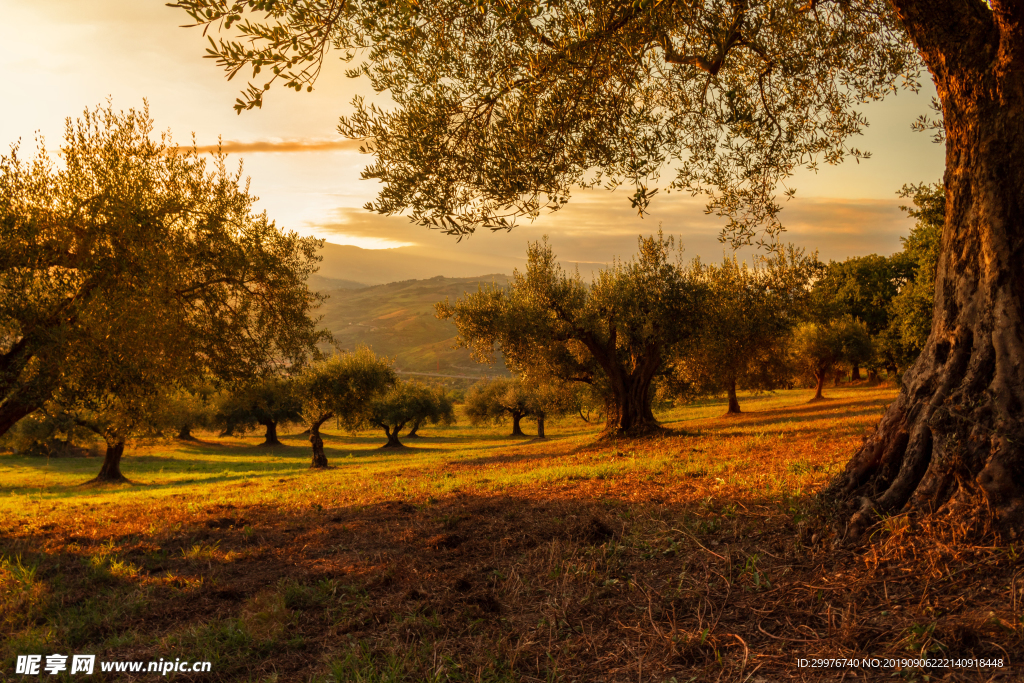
[(686, 557)]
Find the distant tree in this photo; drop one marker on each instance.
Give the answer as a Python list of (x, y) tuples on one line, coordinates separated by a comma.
[(343, 387), (114, 417), (615, 333), (182, 410), (407, 403), (436, 406), (818, 348), (131, 263), (269, 402), (549, 399), (862, 287), (747, 320), (497, 400)]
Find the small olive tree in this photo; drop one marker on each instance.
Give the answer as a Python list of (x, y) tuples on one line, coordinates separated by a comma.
[(407, 403), (268, 402), (748, 317), (497, 400), (343, 387), (819, 349)]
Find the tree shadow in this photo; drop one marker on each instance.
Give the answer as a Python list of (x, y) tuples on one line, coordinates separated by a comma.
[(732, 576)]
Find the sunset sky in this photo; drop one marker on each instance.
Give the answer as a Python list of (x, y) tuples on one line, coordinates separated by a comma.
[(61, 56)]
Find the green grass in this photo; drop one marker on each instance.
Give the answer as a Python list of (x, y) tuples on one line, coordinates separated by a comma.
[(239, 471), (473, 556)]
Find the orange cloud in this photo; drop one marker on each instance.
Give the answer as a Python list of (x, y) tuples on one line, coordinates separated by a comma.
[(277, 146)]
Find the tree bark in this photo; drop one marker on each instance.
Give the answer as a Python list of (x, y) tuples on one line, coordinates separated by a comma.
[(819, 378), (957, 427), (540, 426), (413, 432), (185, 433), (734, 404), (392, 435), (111, 469), (872, 377), (319, 457), (516, 429), (855, 373), (629, 410), (270, 439)]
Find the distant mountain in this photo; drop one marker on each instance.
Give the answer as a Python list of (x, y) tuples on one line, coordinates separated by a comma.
[(397, 320)]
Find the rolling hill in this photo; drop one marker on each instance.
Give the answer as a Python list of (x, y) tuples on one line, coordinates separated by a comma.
[(397, 320)]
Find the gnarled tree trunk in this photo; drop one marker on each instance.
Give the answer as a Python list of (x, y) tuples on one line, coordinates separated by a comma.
[(270, 438), (540, 426), (111, 469), (516, 429), (819, 383), (413, 432), (392, 435), (734, 403), (185, 433), (957, 427), (629, 408), (319, 457)]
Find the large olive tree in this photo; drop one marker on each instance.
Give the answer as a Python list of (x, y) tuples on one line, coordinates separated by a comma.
[(615, 333), (501, 107), (133, 265)]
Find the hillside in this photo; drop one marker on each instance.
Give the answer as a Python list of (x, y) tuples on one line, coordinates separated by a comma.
[(397, 320), (380, 266)]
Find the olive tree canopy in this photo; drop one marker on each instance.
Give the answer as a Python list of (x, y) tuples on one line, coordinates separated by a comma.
[(131, 265)]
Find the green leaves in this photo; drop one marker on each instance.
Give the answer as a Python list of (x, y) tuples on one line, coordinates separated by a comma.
[(135, 266), (502, 109)]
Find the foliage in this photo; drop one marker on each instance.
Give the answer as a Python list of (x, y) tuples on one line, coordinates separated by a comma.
[(614, 333), (342, 386), (911, 310), (502, 108), (746, 322), (268, 401), (183, 410), (132, 266), (863, 287), (408, 403)]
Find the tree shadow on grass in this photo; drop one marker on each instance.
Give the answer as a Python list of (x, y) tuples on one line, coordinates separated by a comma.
[(721, 583), (802, 413)]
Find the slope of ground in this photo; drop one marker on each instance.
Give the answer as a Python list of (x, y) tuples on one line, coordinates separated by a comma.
[(319, 283), (471, 556), (397, 320)]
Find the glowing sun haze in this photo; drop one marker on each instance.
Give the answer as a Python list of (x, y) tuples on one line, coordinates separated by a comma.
[(61, 56)]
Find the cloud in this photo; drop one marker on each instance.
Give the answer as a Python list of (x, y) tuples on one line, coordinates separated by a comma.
[(277, 146), (597, 227)]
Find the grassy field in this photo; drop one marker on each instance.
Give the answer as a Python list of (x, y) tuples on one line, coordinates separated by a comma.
[(472, 556)]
